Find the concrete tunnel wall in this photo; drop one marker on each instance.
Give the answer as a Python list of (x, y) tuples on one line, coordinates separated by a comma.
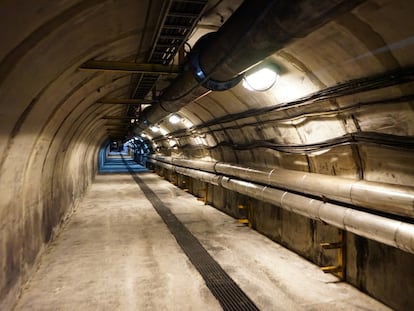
[(51, 128)]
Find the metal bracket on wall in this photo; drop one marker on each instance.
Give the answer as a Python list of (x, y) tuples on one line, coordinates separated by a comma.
[(247, 211), (161, 172), (186, 184), (174, 178), (116, 66), (339, 269), (205, 190)]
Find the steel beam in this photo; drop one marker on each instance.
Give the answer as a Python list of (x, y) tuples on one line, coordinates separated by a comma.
[(117, 118), (119, 134), (126, 101), (115, 66)]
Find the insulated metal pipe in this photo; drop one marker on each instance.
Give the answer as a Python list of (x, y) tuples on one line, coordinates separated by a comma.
[(256, 30), (393, 199), (381, 229), (203, 176), (384, 230)]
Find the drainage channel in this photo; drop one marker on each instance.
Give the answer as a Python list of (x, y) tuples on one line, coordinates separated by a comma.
[(221, 285)]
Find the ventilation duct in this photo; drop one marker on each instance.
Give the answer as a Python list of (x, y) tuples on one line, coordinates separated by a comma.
[(256, 30)]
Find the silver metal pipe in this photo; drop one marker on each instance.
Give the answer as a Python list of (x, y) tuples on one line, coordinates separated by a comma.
[(203, 176), (393, 199), (200, 165), (381, 229)]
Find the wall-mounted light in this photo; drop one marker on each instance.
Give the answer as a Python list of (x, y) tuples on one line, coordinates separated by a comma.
[(174, 119), (146, 136), (155, 129), (261, 80)]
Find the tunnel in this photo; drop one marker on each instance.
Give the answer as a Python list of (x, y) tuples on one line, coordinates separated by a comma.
[(207, 155)]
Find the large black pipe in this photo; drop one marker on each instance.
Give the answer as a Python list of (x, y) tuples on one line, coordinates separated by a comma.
[(255, 31)]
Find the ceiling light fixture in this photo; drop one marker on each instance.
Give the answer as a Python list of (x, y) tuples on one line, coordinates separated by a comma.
[(174, 119), (261, 80), (155, 129)]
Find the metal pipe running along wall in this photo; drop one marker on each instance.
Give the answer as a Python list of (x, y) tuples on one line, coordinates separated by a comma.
[(387, 198), (256, 30), (378, 228)]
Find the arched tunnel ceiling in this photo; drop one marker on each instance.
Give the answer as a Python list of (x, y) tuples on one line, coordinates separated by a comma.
[(48, 96), (43, 53), (359, 117), (343, 104)]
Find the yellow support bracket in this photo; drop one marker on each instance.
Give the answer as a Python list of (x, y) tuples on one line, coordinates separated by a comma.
[(204, 198), (246, 221), (187, 184), (340, 246), (331, 269), (335, 245), (183, 185)]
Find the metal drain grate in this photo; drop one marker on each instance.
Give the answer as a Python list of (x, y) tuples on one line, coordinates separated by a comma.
[(221, 285)]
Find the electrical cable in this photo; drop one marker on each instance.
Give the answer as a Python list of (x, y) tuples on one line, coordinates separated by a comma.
[(392, 78), (206, 128), (381, 139)]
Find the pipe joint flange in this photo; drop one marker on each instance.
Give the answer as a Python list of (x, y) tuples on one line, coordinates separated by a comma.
[(199, 73)]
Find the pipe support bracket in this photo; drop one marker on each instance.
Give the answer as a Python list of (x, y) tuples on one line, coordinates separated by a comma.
[(199, 73)]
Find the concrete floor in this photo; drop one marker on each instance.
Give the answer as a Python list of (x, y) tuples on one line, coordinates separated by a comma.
[(115, 253)]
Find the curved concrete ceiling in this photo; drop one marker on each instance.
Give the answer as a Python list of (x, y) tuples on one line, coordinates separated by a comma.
[(343, 105)]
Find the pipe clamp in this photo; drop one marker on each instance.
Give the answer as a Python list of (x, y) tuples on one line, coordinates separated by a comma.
[(199, 73)]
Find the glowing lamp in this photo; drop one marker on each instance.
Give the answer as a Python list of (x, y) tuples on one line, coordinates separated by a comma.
[(174, 119), (260, 80)]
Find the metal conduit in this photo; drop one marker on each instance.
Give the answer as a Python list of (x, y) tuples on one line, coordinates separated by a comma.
[(388, 198), (381, 229), (255, 31)]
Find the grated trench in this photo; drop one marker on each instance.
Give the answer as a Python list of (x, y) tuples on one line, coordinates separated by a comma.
[(221, 285)]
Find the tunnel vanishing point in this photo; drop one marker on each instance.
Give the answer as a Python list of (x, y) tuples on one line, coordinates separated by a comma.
[(323, 151)]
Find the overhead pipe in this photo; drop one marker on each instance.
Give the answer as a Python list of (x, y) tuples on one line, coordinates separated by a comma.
[(388, 198), (378, 228), (256, 30)]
